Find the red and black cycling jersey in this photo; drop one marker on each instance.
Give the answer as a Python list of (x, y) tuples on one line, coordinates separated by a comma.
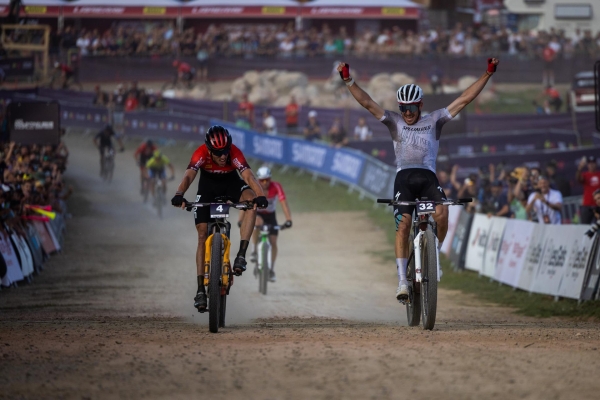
[(201, 159)]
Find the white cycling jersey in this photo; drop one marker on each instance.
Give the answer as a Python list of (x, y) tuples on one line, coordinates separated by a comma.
[(416, 146)]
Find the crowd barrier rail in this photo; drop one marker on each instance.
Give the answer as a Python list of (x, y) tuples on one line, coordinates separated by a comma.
[(555, 260), (26, 245)]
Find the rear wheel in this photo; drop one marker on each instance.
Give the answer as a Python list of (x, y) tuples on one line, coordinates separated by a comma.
[(264, 268), (160, 198), (429, 280), (214, 285)]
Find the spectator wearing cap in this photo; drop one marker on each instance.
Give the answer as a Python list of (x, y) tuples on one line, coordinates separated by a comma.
[(495, 201), (546, 203), (590, 180), (312, 131)]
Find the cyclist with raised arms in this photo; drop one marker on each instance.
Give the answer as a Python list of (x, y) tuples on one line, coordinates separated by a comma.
[(274, 192), (220, 162), (416, 143)]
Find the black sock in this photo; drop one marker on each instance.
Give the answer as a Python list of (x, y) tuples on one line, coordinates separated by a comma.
[(243, 247), (201, 283)]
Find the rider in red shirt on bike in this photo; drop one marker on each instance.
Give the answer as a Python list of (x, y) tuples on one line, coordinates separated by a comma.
[(143, 153), (274, 192), (220, 162)]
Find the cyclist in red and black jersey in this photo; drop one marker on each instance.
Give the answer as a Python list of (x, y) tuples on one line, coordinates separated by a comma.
[(143, 153), (220, 162)]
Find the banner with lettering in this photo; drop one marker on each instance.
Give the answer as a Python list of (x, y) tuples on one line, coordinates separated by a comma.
[(343, 164), (533, 257), (458, 247), (557, 248), (592, 279), (13, 269), (493, 246), (478, 238), (571, 285), (511, 258)]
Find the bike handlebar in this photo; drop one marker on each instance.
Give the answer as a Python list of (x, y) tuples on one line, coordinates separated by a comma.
[(276, 227), (459, 202), (243, 205)]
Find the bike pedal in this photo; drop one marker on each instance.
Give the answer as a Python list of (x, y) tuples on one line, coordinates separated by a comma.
[(202, 311)]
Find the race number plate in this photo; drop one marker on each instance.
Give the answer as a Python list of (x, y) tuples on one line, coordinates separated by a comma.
[(425, 207), (219, 210)]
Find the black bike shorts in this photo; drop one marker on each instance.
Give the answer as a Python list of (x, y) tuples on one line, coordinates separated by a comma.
[(212, 186), (269, 218), (412, 184)]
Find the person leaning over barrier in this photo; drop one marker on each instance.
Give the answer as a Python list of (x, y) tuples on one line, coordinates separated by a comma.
[(546, 202), (416, 143)]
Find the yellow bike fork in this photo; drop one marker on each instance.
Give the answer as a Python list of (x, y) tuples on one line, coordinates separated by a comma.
[(226, 261)]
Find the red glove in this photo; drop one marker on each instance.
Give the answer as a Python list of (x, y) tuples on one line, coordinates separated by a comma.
[(491, 66), (345, 72)]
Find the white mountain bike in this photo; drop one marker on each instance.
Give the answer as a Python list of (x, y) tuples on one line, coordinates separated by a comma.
[(264, 263), (423, 270)]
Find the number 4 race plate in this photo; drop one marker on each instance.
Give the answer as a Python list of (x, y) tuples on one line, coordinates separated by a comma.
[(219, 210), (425, 207)]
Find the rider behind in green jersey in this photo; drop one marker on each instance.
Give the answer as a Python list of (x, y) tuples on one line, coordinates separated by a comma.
[(155, 168)]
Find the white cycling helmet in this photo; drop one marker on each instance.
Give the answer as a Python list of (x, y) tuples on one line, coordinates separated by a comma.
[(408, 94), (263, 172)]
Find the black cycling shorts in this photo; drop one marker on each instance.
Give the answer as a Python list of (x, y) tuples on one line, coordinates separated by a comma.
[(214, 185), (269, 218), (412, 184)]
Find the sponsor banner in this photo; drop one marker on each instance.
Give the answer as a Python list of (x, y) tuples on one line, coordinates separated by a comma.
[(377, 179), (239, 11), (22, 66), (39, 11), (513, 250), (571, 285), (453, 217), (592, 279), (459, 244), (337, 163), (558, 246), (492, 248), (478, 238), (83, 116), (346, 12), (156, 124), (13, 269), (34, 122), (533, 257), (116, 11), (47, 243), (24, 254)]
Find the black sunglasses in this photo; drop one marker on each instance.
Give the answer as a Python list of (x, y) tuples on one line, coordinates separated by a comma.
[(219, 153), (413, 108)]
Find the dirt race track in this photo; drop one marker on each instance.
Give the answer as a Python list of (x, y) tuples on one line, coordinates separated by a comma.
[(112, 317)]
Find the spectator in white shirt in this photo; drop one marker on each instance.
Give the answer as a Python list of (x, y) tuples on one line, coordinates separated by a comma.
[(546, 202), (361, 131), (269, 124)]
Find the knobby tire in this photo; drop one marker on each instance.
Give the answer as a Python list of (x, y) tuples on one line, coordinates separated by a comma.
[(264, 268), (413, 308), (214, 285), (429, 283)]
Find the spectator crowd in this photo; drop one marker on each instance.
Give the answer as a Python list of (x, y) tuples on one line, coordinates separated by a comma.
[(534, 194), (282, 40)]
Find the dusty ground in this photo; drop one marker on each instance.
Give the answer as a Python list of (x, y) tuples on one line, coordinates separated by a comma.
[(112, 317)]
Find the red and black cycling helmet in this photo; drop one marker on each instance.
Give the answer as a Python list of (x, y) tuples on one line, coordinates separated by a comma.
[(218, 140)]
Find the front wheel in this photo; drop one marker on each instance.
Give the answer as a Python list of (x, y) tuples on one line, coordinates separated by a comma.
[(429, 280), (214, 285), (263, 279), (413, 307)]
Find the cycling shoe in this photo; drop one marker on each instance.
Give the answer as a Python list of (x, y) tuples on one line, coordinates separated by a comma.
[(402, 292), (200, 302)]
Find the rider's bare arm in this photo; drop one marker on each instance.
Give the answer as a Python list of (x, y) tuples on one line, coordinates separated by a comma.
[(188, 178), (251, 181), (363, 98), (286, 210), (471, 93)]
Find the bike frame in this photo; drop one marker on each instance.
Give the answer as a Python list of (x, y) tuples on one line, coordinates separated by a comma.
[(420, 224), (264, 241)]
